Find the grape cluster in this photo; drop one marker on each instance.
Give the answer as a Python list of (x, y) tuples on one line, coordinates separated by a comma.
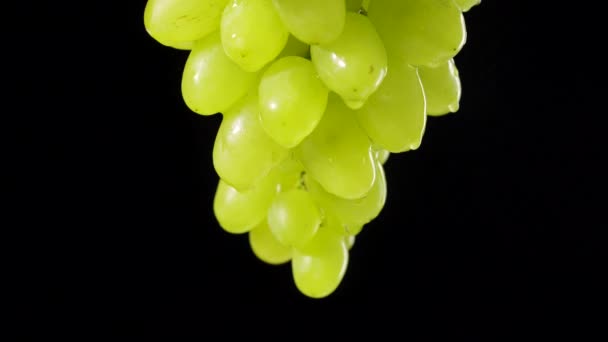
[(315, 95)]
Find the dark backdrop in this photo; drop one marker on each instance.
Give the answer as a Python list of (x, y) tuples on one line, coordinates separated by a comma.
[(488, 224)]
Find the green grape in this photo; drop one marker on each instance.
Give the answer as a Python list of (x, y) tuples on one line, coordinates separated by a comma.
[(287, 175), (330, 220), (365, 4), (382, 156), (353, 212), (353, 5), (211, 82), (350, 241), (420, 32), (441, 88), (252, 33), (238, 212), (354, 229), (319, 267), (266, 247), (465, 5), (171, 22), (338, 154), (243, 153), (395, 116), (292, 100), (294, 47), (294, 218), (312, 21), (353, 65), (189, 45)]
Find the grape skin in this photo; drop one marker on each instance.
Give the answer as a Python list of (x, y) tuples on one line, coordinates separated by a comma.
[(292, 100), (355, 64), (174, 22), (211, 82), (312, 21), (419, 32), (252, 33), (441, 88)]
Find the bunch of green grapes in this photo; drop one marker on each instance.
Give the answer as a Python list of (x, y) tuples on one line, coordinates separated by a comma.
[(315, 95)]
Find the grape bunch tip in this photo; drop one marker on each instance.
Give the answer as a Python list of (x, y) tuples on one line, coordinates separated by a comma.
[(315, 95)]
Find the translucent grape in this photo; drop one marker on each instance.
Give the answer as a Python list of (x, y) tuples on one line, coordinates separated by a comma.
[(319, 267), (188, 45), (382, 156), (172, 22), (420, 32), (466, 5), (294, 218), (353, 212), (312, 21), (243, 153), (287, 175), (350, 241), (211, 82), (353, 65), (353, 5), (441, 88), (365, 4), (330, 220), (266, 247), (252, 33), (354, 229), (292, 100), (238, 212), (395, 116), (338, 154), (294, 47)]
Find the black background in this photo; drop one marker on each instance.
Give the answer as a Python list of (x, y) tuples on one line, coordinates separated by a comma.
[(491, 223)]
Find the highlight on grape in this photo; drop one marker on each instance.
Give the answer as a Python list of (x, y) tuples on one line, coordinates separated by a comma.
[(315, 95)]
